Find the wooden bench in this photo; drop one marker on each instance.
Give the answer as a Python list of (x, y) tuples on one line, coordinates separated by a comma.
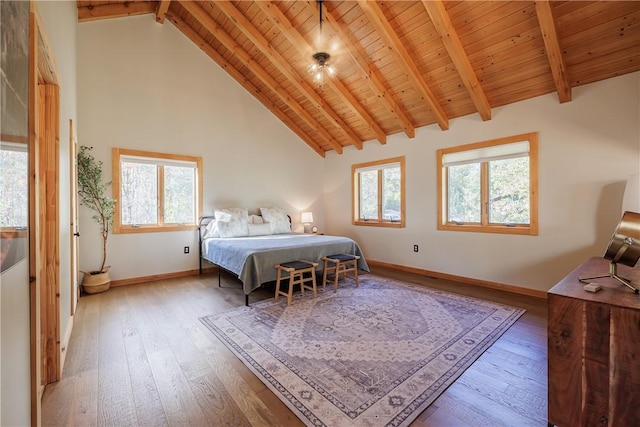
[(295, 272), (340, 264)]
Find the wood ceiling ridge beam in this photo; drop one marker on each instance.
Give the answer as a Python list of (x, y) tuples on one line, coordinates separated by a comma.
[(263, 45), (375, 15), (192, 35), (218, 32), (553, 49), (359, 57), (275, 15), (115, 10), (451, 42), (161, 11)]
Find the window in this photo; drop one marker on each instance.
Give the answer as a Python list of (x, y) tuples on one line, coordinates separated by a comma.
[(14, 202), (156, 192), (14, 185), (378, 193), (490, 186)]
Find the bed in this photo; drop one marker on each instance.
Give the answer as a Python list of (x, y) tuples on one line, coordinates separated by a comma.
[(251, 258)]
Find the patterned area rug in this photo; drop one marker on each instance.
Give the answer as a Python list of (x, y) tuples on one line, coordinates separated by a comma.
[(374, 355)]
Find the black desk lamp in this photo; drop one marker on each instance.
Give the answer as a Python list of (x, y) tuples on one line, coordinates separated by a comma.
[(624, 248)]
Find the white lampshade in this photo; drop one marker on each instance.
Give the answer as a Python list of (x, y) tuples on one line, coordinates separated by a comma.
[(307, 217), (631, 197)]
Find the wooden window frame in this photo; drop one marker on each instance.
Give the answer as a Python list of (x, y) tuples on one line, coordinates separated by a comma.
[(118, 227), (484, 226), (11, 140), (355, 191)]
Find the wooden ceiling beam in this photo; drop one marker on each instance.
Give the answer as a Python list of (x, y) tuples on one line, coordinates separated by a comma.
[(282, 23), (287, 70), (115, 10), (379, 21), (361, 60), (244, 82), (554, 51), (161, 12), (451, 42), (242, 55)]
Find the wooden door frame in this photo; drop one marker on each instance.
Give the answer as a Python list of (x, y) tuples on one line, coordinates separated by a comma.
[(48, 190), (73, 211), (44, 226)]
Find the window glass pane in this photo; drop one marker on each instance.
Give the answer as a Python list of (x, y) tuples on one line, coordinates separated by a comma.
[(369, 195), (464, 198), (139, 194), (179, 195), (14, 188), (509, 191), (391, 194)]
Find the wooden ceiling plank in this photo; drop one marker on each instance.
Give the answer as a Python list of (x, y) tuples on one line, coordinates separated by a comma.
[(553, 49), (161, 12), (243, 81), (601, 40), (451, 41), (375, 15), (503, 41), (281, 22), (207, 22), (114, 10), (360, 59), (476, 40), (583, 16), (286, 69)]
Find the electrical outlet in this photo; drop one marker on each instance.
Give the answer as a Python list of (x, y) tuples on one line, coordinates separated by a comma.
[(186, 249), (415, 248)]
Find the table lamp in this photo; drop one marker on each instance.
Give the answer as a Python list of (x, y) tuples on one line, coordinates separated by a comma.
[(307, 219), (624, 248)]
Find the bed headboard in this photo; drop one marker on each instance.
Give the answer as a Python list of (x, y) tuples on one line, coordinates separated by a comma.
[(205, 220)]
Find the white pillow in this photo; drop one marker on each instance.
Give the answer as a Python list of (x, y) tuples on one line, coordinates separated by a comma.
[(259, 229), (255, 219), (232, 222), (211, 230), (277, 219)]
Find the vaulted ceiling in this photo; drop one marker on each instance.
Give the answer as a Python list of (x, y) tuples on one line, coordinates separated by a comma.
[(400, 64)]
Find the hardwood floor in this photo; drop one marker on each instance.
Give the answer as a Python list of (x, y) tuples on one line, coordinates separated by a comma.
[(138, 355)]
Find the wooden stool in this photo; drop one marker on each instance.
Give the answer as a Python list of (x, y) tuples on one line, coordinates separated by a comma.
[(296, 270), (338, 264)]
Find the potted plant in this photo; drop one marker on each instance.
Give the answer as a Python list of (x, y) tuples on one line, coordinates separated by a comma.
[(92, 191)]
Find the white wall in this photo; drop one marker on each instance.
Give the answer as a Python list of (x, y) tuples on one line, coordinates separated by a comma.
[(588, 149), (142, 85)]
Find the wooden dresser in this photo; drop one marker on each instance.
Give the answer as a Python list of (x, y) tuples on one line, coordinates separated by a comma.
[(594, 349)]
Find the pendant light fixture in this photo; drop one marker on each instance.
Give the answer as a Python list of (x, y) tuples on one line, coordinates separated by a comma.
[(321, 59)]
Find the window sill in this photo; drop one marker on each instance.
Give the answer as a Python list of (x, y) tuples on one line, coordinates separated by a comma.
[(499, 229), (153, 229), (373, 223)]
